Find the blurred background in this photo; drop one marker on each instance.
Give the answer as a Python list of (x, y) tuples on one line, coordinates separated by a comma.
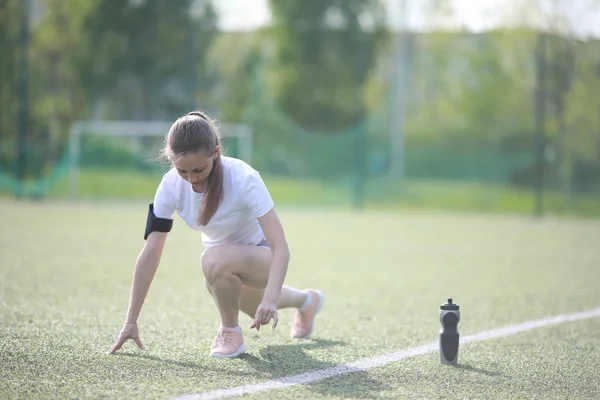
[(489, 106)]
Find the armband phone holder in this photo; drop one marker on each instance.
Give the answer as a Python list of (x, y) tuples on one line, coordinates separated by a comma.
[(155, 224)]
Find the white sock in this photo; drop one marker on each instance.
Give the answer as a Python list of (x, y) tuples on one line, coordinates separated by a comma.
[(237, 329), (307, 302)]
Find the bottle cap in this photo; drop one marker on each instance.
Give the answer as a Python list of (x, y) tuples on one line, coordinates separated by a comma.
[(449, 305)]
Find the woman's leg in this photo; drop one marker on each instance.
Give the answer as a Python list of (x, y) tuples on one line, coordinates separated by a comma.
[(289, 298), (229, 267), (308, 303), (236, 276)]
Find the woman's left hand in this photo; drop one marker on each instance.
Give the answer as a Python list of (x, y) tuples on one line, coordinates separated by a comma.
[(266, 311)]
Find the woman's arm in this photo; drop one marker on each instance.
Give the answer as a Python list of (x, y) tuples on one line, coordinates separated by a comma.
[(145, 269), (274, 233)]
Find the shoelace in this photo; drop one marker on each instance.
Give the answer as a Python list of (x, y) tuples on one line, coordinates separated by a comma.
[(224, 337)]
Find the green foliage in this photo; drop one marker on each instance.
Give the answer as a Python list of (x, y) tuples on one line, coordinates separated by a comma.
[(11, 51), (321, 67), (478, 86), (582, 118), (479, 91), (234, 58), (151, 54), (325, 53), (115, 59), (59, 94)]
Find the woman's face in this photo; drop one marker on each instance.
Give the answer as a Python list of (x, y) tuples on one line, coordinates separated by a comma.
[(195, 167)]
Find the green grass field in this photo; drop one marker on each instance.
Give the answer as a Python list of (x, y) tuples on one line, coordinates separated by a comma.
[(407, 195), (66, 268)]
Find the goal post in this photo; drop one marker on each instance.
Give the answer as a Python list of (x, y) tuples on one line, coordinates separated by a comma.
[(138, 130)]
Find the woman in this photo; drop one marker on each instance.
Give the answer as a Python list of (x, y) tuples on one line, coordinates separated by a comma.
[(246, 256)]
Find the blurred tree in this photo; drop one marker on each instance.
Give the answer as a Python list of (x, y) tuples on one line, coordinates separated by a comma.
[(470, 105), (11, 13), (149, 58), (582, 121), (325, 53), (472, 86), (111, 59), (561, 56), (477, 90), (475, 85), (233, 58), (569, 140), (58, 92)]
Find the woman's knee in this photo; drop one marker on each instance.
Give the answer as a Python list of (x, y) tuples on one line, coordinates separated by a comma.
[(248, 263), (214, 264)]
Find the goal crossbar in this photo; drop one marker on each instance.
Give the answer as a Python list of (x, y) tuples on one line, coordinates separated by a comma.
[(140, 129)]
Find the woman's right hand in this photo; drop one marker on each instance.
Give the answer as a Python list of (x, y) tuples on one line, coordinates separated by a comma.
[(145, 268), (129, 331)]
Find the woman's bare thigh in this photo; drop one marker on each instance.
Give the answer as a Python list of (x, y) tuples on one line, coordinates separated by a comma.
[(250, 263)]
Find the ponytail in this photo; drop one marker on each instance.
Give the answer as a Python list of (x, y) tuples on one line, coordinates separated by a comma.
[(213, 194)]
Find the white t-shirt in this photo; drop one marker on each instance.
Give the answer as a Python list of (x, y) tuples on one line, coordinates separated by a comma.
[(245, 199)]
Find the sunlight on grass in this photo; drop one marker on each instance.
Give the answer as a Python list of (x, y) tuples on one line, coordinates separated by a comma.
[(66, 271)]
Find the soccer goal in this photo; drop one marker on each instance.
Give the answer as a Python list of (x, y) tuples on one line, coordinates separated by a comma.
[(134, 144)]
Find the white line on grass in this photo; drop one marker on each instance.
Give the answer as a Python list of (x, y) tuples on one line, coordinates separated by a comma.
[(379, 361)]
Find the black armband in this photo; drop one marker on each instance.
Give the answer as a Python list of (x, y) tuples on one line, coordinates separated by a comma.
[(153, 223)]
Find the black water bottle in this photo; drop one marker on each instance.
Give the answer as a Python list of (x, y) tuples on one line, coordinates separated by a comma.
[(449, 337)]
